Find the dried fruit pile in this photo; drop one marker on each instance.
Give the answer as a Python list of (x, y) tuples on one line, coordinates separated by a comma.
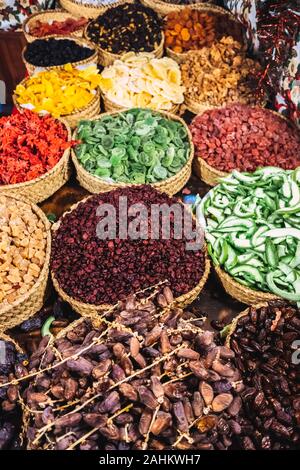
[(137, 146), (190, 29), (263, 343), (9, 410), (59, 91), (51, 52), (109, 388), (141, 80), (42, 28), (126, 28), (253, 229), (22, 249), (30, 146), (102, 271), (245, 138), (220, 74)]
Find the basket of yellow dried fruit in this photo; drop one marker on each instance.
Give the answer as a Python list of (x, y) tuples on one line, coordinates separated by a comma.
[(141, 80), (25, 245), (68, 92)]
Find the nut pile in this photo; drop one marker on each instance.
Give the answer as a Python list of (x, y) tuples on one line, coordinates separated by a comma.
[(167, 386), (9, 411), (22, 249), (263, 343), (126, 28), (220, 74), (245, 138), (51, 52), (99, 271)]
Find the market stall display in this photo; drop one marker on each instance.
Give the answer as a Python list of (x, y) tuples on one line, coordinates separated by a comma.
[(57, 51), (65, 92), (55, 22), (92, 272), (133, 147), (126, 28), (24, 255), (218, 75), (34, 155), (163, 7), (141, 80), (240, 137), (252, 230)]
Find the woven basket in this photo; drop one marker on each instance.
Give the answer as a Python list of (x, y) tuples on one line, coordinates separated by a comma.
[(171, 185), (111, 107), (106, 58), (211, 175), (47, 16), (204, 7), (31, 302), (242, 293), (9, 339), (90, 310), (44, 186), (163, 8), (89, 111), (31, 69), (89, 11)]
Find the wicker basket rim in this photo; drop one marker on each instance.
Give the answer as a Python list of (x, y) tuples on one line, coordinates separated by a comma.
[(170, 116), (7, 338), (220, 173), (45, 267), (65, 116), (102, 307), (180, 7), (80, 41), (264, 295), (64, 156), (53, 13), (117, 56), (100, 7), (107, 101)]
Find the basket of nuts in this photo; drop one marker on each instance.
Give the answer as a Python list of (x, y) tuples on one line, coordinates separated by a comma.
[(24, 254), (96, 277), (219, 75)]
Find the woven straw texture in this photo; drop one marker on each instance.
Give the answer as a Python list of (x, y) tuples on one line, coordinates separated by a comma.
[(106, 58), (88, 11), (170, 186), (31, 302), (211, 175), (31, 69), (41, 188), (92, 311), (163, 8), (206, 8), (47, 16), (89, 111), (4, 337), (110, 107), (240, 292)]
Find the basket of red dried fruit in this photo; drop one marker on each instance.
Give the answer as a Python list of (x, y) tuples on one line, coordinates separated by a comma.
[(56, 22), (34, 155), (241, 137)]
